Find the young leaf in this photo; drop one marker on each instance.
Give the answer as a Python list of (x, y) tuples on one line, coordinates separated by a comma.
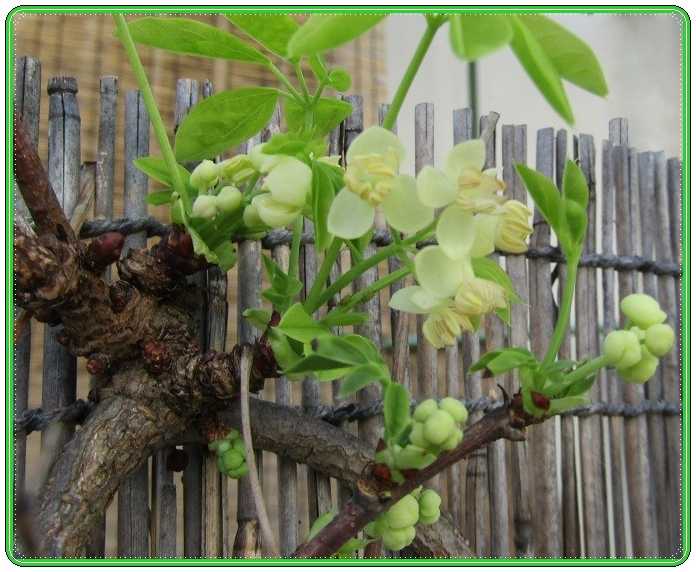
[(314, 363), (473, 36), (297, 324), (272, 31), (156, 168), (359, 377), (576, 221), (487, 358), (509, 359), (320, 523), (222, 121), (573, 59), (226, 255), (258, 316), (490, 270), (349, 350), (566, 403), (283, 351), (323, 32), (397, 410), (574, 184), (323, 192), (328, 113), (283, 288), (159, 197), (184, 36), (336, 318), (546, 197), (539, 68)]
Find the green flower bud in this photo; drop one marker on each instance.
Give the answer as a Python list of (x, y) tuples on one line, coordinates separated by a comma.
[(639, 332), (403, 513), (232, 459), (398, 538), (417, 437), (239, 472), (659, 339), (377, 527), (429, 518), (455, 408), (237, 170), (641, 371), (622, 348), (238, 445), (439, 427), (205, 175), (416, 493), (204, 207), (425, 410), (642, 310), (224, 447), (213, 445), (453, 440), (340, 80), (228, 200), (251, 217), (429, 501), (413, 457), (263, 163)]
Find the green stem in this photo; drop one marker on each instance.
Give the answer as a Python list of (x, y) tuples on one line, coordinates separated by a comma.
[(364, 265), (559, 330), (282, 78), (152, 111), (293, 265), (371, 290), (586, 369), (411, 71), (324, 271), (301, 79)]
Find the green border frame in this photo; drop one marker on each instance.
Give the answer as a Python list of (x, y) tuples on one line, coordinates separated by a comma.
[(685, 287)]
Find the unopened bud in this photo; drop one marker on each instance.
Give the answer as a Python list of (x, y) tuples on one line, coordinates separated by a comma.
[(622, 348), (659, 339), (205, 175), (642, 310), (204, 206), (641, 371), (228, 200)]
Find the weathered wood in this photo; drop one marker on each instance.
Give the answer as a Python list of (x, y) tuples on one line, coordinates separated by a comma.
[(586, 318), (59, 366), (133, 498), (477, 512), (27, 104), (653, 388), (104, 207), (666, 186), (641, 500), (546, 509), (514, 151)]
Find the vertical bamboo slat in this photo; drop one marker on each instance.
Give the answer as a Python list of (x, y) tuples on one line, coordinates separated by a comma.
[(546, 509), (477, 505), (27, 104), (133, 498), (59, 367), (514, 150)]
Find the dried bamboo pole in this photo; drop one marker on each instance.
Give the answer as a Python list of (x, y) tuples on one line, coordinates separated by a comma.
[(477, 528), (494, 330), (641, 501), (27, 104), (104, 207), (514, 150), (654, 388), (594, 499), (546, 509), (133, 501), (667, 227)]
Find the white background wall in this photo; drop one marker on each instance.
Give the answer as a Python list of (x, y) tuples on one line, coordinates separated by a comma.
[(640, 56)]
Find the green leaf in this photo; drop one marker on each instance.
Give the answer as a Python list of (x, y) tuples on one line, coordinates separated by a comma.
[(184, 36), (222, 121), (300, 145), (297, 324), (574, 184), (284, 288), (314, 363), (320, 523), (546, 197), (272, 31), (397, 410), (348, 350), (159, 197), (156, 168), (540, 69), (323, 192), (360, 377), (573, 59), (336, 318), (283, 351), (327, 114), (490, 270), (580, 387), (473, 36), (226, 255), (258, 316), (323, 32), (576, 222), (521, 355)]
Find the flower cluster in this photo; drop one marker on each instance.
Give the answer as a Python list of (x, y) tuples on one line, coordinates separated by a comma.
[(397, 526), (635, 351), (231, 458), (217, 186)]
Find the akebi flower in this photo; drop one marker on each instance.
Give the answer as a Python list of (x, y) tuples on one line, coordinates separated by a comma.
[(228, 200), (513, 227), (237, 170), (204, 176), (289, 183), (372, 180), (204, 207)]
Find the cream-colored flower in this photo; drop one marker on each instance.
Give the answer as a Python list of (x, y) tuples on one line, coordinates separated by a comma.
[(513, 228), (288, 183), (477, 296)]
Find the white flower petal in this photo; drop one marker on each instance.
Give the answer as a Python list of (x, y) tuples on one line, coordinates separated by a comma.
[(273, 213), (486, 226), (413, 299), (470, 154), (290, 181), (456, 232), (437, 272), (377, 140), (435, 188), (263, 163), (349, 216), (402, 208)]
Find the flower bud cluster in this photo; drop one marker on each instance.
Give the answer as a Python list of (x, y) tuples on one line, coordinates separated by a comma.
[(227, 199), (397, 526), (634, 352), (231, 456)]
